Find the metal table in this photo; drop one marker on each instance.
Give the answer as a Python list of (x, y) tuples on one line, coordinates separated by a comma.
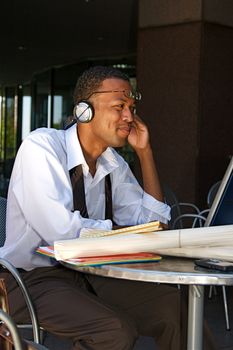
[(173, 271)]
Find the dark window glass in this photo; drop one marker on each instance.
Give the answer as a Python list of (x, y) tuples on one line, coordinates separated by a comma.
[(41, 100), (10, 129), (64, 81)]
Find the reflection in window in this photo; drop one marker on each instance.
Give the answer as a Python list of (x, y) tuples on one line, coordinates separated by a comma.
[(49, 112), (64, 82), (10, 130), (57, 111), (26, 116), (2, 123), (41, 100)]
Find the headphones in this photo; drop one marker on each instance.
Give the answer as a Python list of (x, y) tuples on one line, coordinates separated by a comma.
[(83, 112)]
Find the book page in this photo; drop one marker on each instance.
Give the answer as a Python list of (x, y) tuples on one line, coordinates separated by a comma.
[(143, 228)]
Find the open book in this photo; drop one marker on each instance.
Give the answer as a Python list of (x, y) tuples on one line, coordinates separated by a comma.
[(143, 228)]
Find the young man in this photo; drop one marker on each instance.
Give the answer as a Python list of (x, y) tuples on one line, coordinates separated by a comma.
[(45, 204)]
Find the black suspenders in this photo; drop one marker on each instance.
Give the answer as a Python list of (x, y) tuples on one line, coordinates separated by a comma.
[(76, 176)]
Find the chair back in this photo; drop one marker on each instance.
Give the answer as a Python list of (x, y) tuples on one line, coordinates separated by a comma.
[(212, 193), (3, 203), (172, 201)]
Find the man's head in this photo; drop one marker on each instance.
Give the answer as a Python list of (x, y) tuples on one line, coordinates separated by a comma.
[(91, 80), (112, 103)]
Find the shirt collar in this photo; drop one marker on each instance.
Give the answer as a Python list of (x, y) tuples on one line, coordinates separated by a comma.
[(106, 163), (74, 150)]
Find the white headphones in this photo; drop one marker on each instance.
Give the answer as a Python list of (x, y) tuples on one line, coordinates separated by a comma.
[(83, 112)]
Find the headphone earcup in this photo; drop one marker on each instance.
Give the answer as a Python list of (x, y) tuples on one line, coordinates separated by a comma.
[(84, 112)]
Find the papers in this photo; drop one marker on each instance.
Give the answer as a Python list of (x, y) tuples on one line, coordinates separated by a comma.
[(224, 253), (100, 260), (192, 240), (208, 242), (115, 244), (71, 253), (48, 251)]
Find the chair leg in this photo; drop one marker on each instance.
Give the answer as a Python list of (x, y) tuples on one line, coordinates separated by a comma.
[(42, 335), (225, 307), (210, 292), (212, 289)]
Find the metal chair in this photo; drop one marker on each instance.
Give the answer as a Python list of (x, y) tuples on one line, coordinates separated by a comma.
[(10, 336), (179, 210), (195, 220), (212, 193), (37, 331), (3, 202), (34, 321)]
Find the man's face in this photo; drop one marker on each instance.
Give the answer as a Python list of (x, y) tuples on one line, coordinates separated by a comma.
[(114, 113)]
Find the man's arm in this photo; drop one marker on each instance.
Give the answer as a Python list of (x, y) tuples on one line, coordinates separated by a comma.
[(139, 140)]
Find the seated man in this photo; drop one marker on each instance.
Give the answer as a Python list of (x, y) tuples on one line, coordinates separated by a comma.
[(57, 188)]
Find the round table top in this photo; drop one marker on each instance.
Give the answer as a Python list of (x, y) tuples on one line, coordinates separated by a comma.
[(168, 270)]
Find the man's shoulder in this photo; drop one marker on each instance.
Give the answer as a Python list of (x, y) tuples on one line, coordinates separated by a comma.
[(45, 134), (46, 138)]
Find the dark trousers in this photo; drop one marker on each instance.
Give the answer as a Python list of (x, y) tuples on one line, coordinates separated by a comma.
[(100, 313)]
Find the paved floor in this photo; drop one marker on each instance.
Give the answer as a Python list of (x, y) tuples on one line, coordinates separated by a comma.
[(214, 313)]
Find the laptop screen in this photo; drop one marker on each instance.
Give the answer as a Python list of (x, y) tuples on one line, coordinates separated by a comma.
[(221, 211)]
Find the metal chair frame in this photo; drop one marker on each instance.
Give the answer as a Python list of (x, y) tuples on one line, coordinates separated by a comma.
[(35, 324), (37, 331), (3, 203), (14, 335)]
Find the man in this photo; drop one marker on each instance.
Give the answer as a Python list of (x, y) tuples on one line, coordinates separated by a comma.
[(95, 312)]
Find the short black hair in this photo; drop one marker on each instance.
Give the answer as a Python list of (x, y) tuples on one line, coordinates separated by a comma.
[(91, 79)]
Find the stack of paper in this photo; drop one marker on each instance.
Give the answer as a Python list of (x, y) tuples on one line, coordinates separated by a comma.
[(212, 242), (100, 260)]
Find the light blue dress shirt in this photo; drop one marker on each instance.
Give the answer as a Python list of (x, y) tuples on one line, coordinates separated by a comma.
[(40, 198)]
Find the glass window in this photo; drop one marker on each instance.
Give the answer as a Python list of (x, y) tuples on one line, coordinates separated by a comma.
[(2, 128), (10, 129), (64, 81), (26, 110), (41, 100)]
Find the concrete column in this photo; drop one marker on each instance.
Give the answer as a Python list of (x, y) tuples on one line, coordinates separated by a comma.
[(185, 73)]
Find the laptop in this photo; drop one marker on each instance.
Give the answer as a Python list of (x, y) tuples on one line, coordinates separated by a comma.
[(221, 211)]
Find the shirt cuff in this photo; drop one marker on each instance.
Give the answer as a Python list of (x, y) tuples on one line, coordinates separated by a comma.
[(156, 210)]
